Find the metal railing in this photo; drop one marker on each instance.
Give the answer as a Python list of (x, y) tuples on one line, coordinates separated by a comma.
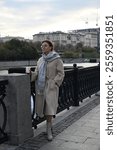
[(78, 84), (3, 111)]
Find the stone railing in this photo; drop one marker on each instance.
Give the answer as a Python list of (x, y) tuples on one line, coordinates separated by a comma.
[(17, 101)]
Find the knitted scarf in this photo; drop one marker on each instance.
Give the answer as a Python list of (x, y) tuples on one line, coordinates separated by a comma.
[(42, 68)]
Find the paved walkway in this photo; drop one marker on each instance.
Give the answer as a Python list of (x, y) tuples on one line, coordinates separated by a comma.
[(83, 134), (78, 130)]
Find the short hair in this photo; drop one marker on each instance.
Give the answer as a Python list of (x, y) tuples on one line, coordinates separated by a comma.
[(49, 43)]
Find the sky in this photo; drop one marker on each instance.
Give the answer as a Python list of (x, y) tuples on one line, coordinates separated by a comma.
[(28, 17)]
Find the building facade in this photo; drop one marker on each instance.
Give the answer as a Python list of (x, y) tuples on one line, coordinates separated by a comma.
[(89, 37), (57, 37)]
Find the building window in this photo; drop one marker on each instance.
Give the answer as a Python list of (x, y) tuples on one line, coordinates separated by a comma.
[(69, 37)]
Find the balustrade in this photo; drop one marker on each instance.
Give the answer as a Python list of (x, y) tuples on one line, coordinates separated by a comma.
[(78, 84)]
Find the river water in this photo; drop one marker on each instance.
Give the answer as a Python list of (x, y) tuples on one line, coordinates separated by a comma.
[(2, 72)]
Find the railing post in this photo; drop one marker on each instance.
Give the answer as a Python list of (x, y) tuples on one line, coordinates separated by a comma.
[(19, 126), (76, 100)]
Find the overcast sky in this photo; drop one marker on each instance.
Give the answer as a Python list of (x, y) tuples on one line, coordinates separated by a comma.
[(28, 17)]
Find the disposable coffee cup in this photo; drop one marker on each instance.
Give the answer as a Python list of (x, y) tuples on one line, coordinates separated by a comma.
[(27, 69)]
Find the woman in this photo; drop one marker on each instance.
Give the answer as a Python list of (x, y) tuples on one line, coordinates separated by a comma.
[(49, 75)]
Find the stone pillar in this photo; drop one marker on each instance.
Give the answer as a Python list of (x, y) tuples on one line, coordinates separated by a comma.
[(19, 123)]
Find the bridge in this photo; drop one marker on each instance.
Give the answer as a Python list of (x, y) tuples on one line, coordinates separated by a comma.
[(16, 90)]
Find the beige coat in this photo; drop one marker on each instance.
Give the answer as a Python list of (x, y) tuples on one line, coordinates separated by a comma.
[(47, 103)]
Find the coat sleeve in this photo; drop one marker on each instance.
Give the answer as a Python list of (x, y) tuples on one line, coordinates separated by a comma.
[(34, 74), (60, 73)]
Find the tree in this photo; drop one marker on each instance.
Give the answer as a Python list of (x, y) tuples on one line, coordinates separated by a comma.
[(69, 47), (18, 50), (79, 46)]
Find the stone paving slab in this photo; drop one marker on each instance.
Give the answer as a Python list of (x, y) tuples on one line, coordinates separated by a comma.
[(70, 139), (40, 140), (77, 146), (77, 120)]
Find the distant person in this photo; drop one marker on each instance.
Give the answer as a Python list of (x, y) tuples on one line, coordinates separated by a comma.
[(48, 75)]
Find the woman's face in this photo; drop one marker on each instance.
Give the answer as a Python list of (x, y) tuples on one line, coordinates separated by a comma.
[(46, 48)]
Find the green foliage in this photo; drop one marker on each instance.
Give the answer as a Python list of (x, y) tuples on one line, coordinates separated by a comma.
[(17, 50), (22, 50), (91, 55), (79, 46), (70, 54), (88, 49), (70, 47), (80, 51)]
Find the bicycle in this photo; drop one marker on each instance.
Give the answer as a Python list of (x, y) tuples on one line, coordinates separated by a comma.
[(3, 111)]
